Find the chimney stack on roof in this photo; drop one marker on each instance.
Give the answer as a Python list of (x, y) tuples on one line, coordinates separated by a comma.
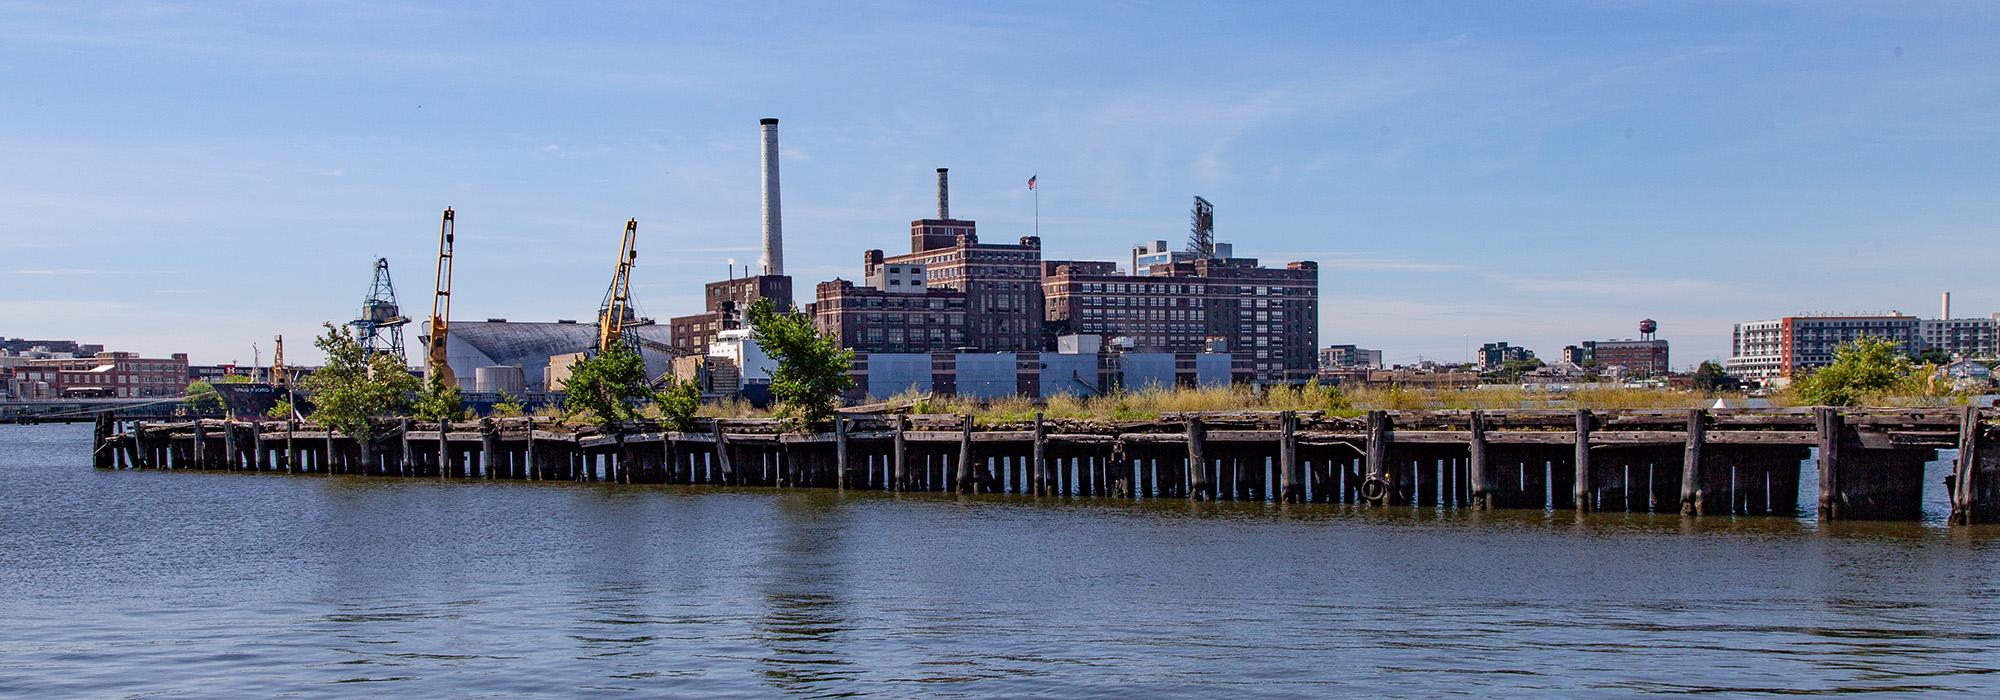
[(944, 193)]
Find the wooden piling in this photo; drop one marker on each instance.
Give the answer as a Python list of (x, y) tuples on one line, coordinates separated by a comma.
[(1197, 461), (1828, 425), (1041, 459), (1965, 482), (292, 450), (1478, 466), (1290, 481), (1377, 460), (100, 441), (1691, 486), (840, 451), (1585, 489), (965, 456), (899, 477)]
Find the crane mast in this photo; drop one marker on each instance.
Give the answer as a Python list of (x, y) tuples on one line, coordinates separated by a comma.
[(278, 377), (618, 299), (440, 321)]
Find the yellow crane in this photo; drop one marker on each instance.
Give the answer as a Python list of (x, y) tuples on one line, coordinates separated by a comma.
[(611, 317), (440, 323)]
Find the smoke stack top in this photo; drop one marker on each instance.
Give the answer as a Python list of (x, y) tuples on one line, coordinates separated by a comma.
[(1945, 312), (944, 193), (773, 259)]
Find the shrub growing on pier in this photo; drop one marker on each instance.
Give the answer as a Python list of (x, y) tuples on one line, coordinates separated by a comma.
[(1862, 368), (812, 368), (608, 386), (678, 403), (436, 401), (201, 397), (507, 406), (354, 388)]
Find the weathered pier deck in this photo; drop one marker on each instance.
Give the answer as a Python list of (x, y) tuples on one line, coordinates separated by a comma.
[(1697, 462)]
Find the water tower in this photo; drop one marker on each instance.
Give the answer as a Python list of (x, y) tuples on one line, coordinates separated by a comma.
[(1647, 328)]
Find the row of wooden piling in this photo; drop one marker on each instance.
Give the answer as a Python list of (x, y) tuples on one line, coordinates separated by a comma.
[(1696, 462)]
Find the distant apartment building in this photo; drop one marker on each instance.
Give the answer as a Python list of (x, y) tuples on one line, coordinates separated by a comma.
[(1349, 357), (1640, 358), (1268, 317), (1493, 356), (1962, 337), (1780, 348), (103, 375)]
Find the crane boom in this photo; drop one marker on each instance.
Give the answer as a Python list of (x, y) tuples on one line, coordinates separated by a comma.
[(440, 322), (618, 299)]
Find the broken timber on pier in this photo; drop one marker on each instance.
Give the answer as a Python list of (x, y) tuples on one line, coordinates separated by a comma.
[(1699, 462)]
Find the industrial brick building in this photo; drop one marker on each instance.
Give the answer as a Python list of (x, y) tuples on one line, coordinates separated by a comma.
[(1001, 281), (873, 320), (1639, 358), (104, 375), (1267, 317)]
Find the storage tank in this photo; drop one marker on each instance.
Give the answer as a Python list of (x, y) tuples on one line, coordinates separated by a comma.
[(507, 378)]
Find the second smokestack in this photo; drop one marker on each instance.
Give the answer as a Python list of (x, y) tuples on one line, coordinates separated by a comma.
[(944, 193), (773, 260), (1945, 313)]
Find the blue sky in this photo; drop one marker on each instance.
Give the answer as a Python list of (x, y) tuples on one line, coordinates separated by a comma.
[(200, 177)]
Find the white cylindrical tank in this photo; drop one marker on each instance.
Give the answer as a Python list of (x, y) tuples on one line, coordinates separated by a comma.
[(507, 378)]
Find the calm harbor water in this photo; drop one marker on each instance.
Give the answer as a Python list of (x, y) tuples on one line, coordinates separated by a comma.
[(142, 584)]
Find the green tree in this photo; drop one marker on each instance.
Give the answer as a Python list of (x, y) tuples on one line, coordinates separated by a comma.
[(234, 379), (678, 402), (353, 388), (201, 397), (437, 401), (282, 410), (812, 373), (1861, 367), (608, 386), (506, 406), (1710, 377)]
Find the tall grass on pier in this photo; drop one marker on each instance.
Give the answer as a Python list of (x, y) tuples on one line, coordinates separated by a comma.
[(1148, 404)]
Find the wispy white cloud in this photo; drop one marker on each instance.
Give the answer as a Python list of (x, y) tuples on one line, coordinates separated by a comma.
[(67, 272)]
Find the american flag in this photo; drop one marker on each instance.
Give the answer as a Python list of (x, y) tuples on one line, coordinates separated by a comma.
[(1031, 181)]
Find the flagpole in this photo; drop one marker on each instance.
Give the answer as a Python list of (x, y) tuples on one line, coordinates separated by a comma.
[(1038, 212)]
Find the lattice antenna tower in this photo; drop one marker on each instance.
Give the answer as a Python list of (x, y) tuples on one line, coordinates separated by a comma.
[(1201, 225)]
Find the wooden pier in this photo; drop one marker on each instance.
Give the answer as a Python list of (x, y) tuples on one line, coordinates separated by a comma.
[(1695, 462)]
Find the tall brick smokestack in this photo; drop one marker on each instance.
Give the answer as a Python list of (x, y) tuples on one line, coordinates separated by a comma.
[(944, 193), (773, 259)]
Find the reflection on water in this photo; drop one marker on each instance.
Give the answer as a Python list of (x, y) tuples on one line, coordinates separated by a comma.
[(132, 583)]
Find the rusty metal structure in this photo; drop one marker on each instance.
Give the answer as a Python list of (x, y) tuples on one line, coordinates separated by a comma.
[(1201, 229)]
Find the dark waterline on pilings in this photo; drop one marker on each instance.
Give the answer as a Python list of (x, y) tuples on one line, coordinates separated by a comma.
[(116, 582)]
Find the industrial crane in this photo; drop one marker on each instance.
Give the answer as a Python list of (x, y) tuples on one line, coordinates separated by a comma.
[(611, 316), (278, 378), (440, 323), (380, 326)]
